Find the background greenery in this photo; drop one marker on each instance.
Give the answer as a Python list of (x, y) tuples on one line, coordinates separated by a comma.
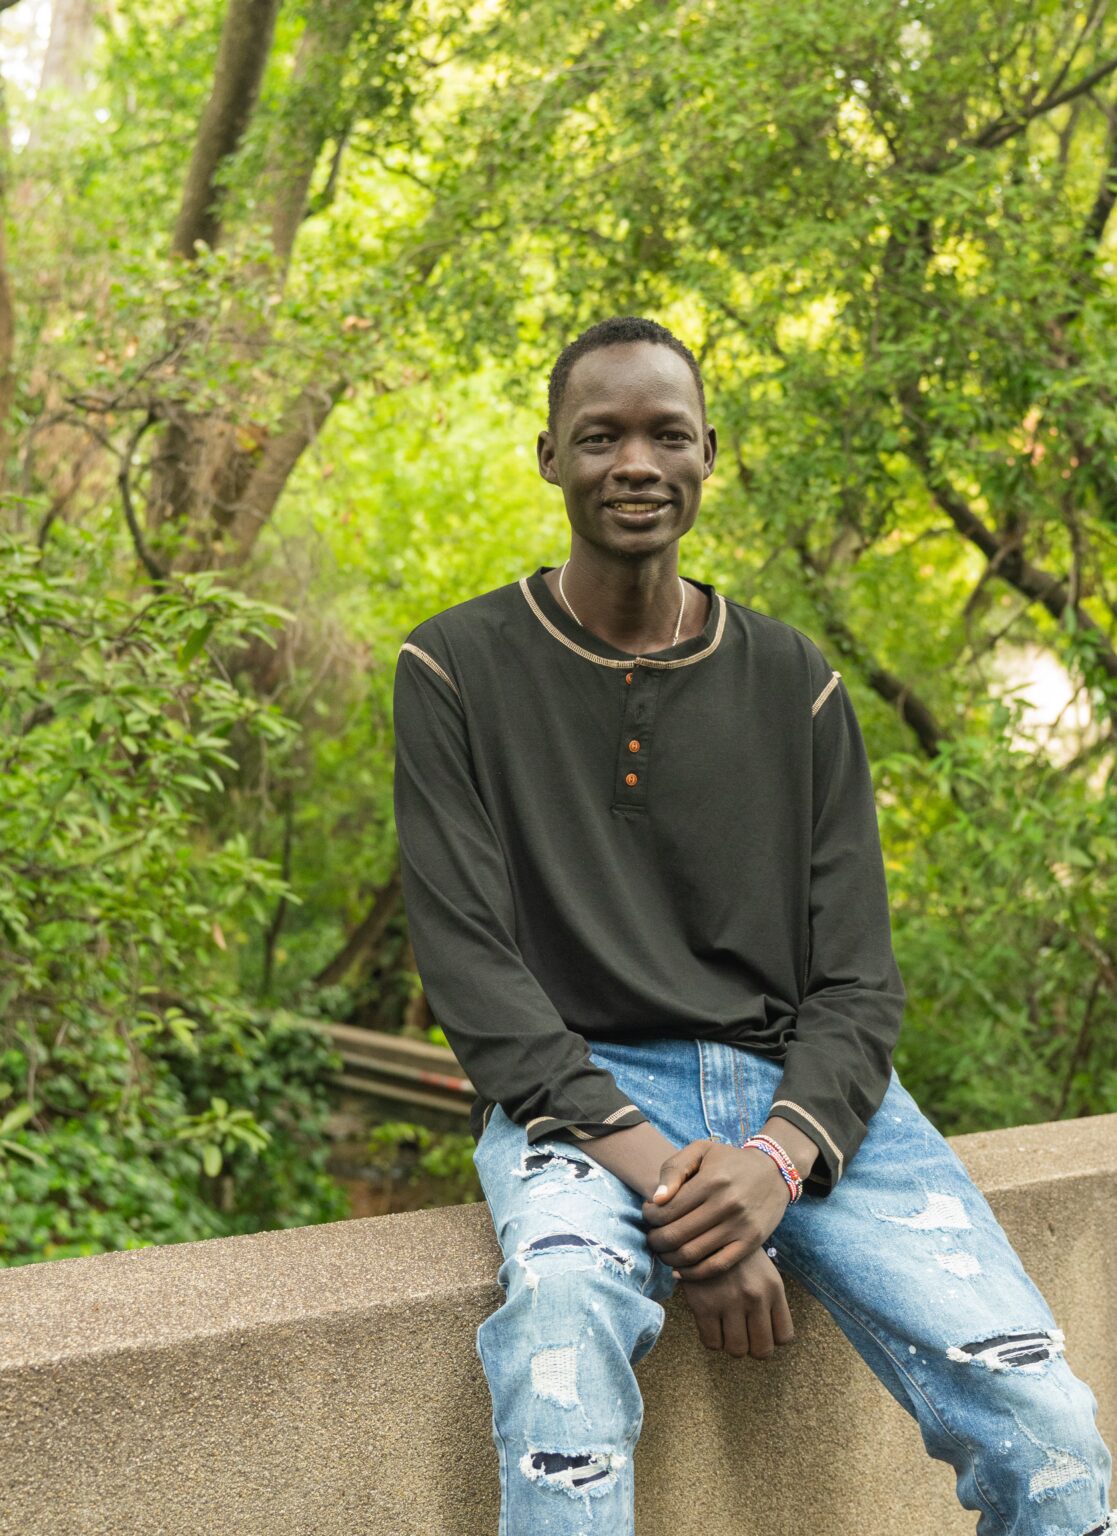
[(279, 289)]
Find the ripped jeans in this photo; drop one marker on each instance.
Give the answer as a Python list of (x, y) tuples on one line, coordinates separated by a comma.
[(905, 1254)]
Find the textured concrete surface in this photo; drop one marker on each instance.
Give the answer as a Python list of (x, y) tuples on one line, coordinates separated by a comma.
[(324, 1381)]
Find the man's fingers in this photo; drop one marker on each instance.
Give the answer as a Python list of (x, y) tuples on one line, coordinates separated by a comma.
[(717, 1264), (707, 1317), (783, 1328), (691, 1251), (676, 1169), (735, 1331), (761, 1345)]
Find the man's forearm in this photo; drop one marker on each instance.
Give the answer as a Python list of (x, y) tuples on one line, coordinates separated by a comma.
[(637, 1154)]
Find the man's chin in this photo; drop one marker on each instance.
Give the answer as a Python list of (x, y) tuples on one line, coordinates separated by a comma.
[(647, 547), (636, 543)]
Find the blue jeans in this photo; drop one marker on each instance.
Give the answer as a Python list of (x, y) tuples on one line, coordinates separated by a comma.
[(905, 1254)]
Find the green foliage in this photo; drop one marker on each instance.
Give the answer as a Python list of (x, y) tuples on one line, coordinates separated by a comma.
[(439, 1163), (123, 1043), (885, 231), (1005, 902)]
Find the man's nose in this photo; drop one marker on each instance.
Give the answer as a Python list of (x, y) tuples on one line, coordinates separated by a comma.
[(636, 461)]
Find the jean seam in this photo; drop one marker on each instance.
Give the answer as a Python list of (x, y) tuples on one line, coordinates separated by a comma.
[(742, 1100), (702, 1090), (812, 1282)]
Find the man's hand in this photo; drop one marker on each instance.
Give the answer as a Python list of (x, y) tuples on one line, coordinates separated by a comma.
[(745, 1311), (719, 1204)]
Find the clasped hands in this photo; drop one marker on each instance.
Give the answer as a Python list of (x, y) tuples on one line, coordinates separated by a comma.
[(715, 1207), (718, 1205)]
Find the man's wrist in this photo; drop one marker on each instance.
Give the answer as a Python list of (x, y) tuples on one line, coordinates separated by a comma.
[(802, 1151)]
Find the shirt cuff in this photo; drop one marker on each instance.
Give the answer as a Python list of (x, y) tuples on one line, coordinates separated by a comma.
[(829, 1165), (542, 1127)]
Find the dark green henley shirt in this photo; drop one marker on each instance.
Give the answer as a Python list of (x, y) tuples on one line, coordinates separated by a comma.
[(602, 846)]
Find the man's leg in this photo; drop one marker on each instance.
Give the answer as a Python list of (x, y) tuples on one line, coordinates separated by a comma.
[(580, 1310), (912, 1264)]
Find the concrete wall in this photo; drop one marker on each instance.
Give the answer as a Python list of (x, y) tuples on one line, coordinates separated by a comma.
[(324, 1381)]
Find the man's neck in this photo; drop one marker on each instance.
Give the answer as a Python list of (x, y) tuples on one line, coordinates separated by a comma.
[(633, 605)]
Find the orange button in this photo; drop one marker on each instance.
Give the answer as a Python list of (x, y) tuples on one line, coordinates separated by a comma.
[(630, 779), (634, 745), (628, 677)]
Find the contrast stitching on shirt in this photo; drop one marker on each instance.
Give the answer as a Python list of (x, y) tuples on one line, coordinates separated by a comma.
[(825, 694), (821, 1129), (635, 661), (431, 663), (576, 1130)]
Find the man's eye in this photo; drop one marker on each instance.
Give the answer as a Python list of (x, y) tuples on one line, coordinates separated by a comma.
[(596, 437)]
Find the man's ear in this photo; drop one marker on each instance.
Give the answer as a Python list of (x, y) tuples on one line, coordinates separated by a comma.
[(545, 453), (711, 453)]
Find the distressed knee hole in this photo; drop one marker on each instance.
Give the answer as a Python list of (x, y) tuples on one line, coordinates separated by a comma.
[(1108, 1527), (526, 1250), (939, 1213), (537, 1160), (621, 1259), (1011, 1351), (576, 1472), (554, 1374), (964, 1265), (1060, 1470)]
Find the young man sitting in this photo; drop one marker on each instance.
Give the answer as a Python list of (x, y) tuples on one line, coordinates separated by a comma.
[(646, 894)]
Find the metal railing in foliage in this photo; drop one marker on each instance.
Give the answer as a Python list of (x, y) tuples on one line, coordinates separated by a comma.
[(395, 1067)]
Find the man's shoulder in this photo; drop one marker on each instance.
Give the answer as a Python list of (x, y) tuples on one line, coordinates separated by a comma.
[(776, 640), (473, 619)]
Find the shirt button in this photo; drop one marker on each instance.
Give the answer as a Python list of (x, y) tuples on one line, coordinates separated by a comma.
[(630, 779), (634, 745), (628, 677)]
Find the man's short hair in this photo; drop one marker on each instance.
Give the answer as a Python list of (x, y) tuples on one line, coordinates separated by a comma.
[(610, 333)]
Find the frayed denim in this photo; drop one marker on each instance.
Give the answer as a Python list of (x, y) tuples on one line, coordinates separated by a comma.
[(905, 1254)]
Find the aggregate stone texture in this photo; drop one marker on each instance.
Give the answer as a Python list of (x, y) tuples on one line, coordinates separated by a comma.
[(324, 1381)]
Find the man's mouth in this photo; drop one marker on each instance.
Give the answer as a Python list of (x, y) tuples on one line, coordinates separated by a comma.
[(636, 512)]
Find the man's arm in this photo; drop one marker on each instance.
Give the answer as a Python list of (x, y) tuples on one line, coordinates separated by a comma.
[(505, 1031), (839, 1062), (637, 1155)]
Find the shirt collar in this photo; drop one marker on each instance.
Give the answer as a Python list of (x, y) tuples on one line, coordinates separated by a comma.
[(565, 629)]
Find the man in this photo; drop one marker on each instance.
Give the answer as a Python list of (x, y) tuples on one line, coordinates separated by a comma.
[(646, 895)]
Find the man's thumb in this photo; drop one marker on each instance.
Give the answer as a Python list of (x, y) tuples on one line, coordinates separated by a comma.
[(676, 1169)]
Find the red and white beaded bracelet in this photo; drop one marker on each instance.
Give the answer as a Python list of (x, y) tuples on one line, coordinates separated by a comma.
[(788, 1170)]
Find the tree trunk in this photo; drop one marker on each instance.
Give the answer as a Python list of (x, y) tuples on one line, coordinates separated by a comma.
[(242, 54), (217, 489), (310, 117), (73, 30), (7, 304)]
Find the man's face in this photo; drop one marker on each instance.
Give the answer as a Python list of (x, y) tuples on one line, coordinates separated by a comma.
[(629, 449)]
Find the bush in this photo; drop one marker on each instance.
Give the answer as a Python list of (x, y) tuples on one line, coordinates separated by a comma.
[(140, 1100)]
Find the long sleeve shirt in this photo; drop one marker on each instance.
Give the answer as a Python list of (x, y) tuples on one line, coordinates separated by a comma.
[(603, 846)]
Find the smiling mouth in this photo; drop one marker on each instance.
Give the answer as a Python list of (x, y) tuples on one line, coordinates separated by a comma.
[(637, 513)]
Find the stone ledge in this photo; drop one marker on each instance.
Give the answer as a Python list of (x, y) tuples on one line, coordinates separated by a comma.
[(324, 1380)]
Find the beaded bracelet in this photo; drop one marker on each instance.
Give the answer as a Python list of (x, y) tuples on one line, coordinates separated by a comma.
[(788, 1171)]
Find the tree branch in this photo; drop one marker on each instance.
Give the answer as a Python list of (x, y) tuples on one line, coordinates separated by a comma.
[(1006, 556), (299, 426), (363, 940), (912, 710), (1004, 128), (151, 565)]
